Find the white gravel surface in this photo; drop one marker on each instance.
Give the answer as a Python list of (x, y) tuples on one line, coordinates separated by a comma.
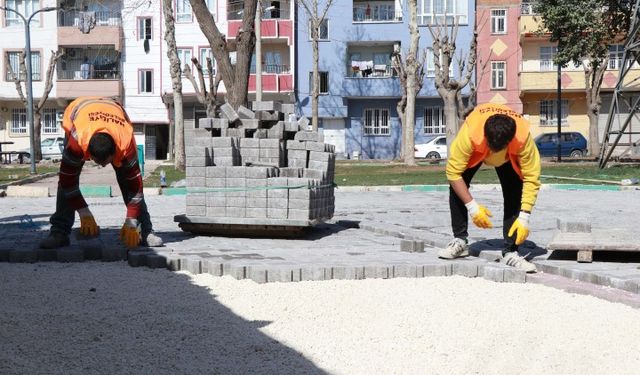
[(108, 318)]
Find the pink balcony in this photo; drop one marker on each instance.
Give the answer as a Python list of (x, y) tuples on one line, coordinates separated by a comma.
[(271, 29), (272, 82)]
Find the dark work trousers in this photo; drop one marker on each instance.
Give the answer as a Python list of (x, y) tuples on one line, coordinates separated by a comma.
[(511, 194), (62, 220)]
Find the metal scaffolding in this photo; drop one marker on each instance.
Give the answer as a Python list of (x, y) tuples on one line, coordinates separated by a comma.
[(625, 102)]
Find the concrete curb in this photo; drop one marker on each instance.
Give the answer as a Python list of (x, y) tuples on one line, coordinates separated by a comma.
[(29, 179)]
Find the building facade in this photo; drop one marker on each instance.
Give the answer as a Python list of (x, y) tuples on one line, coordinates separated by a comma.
[(359, 89)]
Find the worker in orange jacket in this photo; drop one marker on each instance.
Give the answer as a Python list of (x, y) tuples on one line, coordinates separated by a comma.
[(495, 135), (99, 129)]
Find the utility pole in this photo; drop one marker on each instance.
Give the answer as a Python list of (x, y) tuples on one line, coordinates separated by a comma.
[(259, 52), (29, 82)]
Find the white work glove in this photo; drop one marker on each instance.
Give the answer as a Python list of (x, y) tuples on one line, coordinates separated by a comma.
[(479, 214)]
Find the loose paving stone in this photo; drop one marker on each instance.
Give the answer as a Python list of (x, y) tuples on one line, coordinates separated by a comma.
[(257, 274), (155, 261), (466, 268), (512, 275), (493, 273), (312, 273), (405, 270), (436, 269), (377, 272), (137, 258), (281, 275)]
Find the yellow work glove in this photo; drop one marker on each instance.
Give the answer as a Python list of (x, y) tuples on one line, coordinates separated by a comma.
[(129, 234), (520, 227), (88, 226), (479, 214)]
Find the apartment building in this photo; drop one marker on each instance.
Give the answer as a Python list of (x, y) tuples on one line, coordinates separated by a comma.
[(538, 82), (359, 89), (499, 53), (116, 48)]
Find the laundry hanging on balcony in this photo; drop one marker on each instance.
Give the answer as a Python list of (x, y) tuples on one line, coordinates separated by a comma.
[(87, 21)]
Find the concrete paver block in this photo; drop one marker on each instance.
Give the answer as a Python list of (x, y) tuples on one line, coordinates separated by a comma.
[(4, 255), (312, 273), (437, 269), (405, 270), (155, 260), (70, 254), (377, 272), (574, 226), (493, 273), (234, 270), (257, 273), (137, 258), (214, 268), (465, 268), (46, 255), (27, 191), (23, 256), (191, 264), (281, 275)]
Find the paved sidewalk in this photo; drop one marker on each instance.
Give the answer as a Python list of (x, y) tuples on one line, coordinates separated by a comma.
[(362, 241)]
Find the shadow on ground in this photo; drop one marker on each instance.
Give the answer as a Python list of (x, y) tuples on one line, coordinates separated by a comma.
[(109, 318), (528, 249), (598, 256)]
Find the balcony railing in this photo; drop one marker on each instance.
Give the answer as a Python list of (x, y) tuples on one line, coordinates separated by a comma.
[(236, 12), (374, 71), (94, 74), (526, 8), (272, 69), (376, 13), (100, 18)]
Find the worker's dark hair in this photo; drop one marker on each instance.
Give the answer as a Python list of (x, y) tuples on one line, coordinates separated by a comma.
[(499, 130), (101, 146)]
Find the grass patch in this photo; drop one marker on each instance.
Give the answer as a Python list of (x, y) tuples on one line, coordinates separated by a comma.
[(350, 173), (153, 179), (10, 173)]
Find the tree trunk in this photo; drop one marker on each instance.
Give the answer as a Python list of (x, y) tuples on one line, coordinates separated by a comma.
[(37, 137), (236, 79), (451, 117), (176, 82), (315, 92), (593, 80), (409, 139)]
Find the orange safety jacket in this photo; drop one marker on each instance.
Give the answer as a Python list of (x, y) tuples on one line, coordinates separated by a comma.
[(476, 121), (87, 116), (83, 118)]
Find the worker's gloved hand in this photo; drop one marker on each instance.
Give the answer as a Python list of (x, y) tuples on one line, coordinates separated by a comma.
[(520, 227), (88, 226), (129, 233), (479, 214)]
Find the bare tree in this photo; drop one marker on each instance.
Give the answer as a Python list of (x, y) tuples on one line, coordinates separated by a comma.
[(37, 107), (235, 78), (209, 98), (411, 74), (316, 18), (449, 87), (176, 82)]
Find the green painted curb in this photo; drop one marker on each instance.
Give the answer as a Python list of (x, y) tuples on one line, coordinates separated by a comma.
[(95, 190), (585, 187), (425, 188), (173, 191)]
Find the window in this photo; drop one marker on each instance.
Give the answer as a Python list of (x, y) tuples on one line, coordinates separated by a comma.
[(324, 82), (145, 81), (323, 30), (26, 7), (549, 112), (498, 21), (526, 8), (438, 11), (272, 63), (547, 54), (184, 54), (431, 66), (144, 28), (376, 121), (19, 121), (616, 53), (204, 54), (498, 73), (211, 5), (13, 61), (183, 11), (49, 121), (434, 121)]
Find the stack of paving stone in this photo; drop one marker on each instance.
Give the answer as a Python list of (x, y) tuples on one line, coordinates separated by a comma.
[(258, 164)]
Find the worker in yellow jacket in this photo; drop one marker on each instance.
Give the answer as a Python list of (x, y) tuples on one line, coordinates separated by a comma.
[(495, 135)]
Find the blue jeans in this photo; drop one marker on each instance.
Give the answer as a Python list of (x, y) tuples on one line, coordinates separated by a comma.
[(62, 220)]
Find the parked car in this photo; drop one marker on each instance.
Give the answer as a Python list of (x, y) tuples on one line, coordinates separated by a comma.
[(436, 148), (51, 148), (572, 144)]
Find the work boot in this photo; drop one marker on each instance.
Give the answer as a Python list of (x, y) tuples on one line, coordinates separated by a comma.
[(514, 260), (54, 241), (151, 240), (456, 248)]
